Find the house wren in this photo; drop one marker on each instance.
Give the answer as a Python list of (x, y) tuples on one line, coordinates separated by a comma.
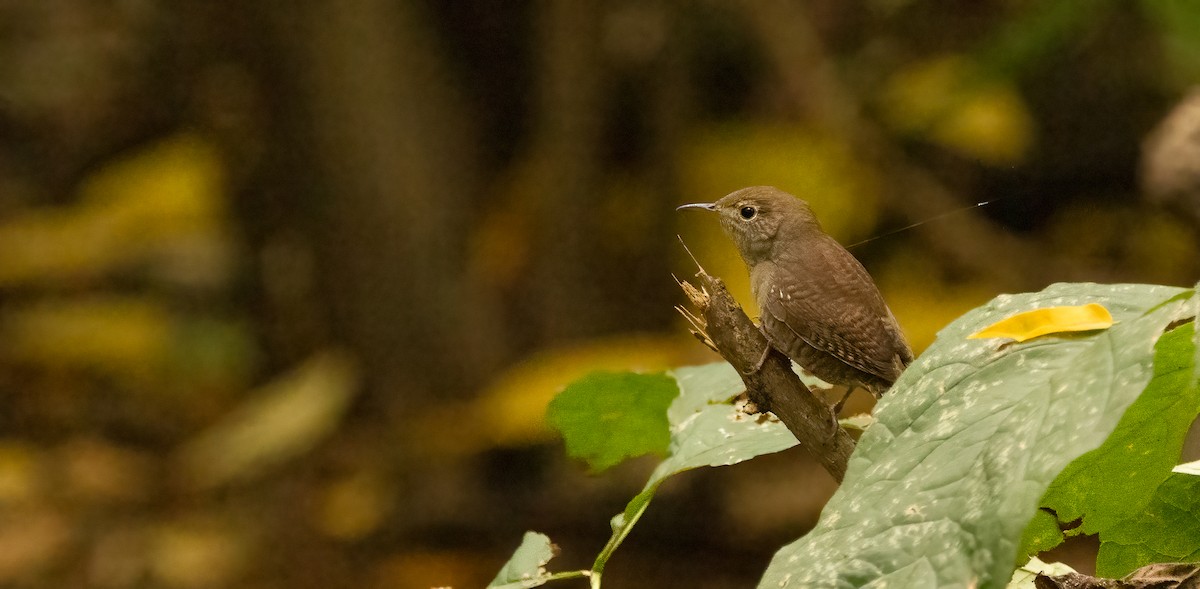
[(819, 306)]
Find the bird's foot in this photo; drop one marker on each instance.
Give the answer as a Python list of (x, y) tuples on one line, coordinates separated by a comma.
[(762, 360), (834, 426), (836, 409)]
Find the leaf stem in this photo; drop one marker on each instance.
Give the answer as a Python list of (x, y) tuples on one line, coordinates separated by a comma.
[(630, 517)]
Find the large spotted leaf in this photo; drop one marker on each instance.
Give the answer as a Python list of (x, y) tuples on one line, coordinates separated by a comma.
[(942, 486)]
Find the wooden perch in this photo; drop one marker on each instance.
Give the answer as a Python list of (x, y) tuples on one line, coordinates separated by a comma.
[(722, 325)]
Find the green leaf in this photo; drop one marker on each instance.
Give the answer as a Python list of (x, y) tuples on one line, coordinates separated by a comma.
[(706, 430), (606, 417), (943, 485), (1117, 480), (1042, 534), (1168, 530), (527, 567)]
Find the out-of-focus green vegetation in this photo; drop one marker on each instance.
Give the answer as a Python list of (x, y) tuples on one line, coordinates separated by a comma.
[(284, 290)]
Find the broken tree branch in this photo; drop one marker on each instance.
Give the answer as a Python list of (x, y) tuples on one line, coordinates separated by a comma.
[(774, 387)]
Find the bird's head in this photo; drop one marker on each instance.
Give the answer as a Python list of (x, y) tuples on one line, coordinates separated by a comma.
[(759, 217)]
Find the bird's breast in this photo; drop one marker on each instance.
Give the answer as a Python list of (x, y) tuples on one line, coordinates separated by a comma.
[(762, 277)]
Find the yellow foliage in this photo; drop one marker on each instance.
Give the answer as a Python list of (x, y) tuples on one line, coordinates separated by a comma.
[(354, 506), (137, 341), (512, 410), (22, 478), (922, 300), (174, 187), (820, 168), (817, 167), (1048, 320), (198, 551), (714, 251), (166, 199), (946, 100), (923, 309), (126, 337)]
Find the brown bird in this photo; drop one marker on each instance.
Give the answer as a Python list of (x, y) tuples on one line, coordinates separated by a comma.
[(819, 306)]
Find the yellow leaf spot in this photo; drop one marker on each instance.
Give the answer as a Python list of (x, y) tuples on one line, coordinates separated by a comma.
[(128, 338), (164, 206), (952, 101), (1031, 324)]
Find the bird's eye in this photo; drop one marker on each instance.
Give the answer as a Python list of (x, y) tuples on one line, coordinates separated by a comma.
[(748, 212)]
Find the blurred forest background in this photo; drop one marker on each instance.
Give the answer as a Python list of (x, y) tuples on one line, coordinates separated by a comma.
[(285, 286)]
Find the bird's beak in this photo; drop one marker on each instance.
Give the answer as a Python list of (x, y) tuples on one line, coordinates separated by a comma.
[(708, 206)]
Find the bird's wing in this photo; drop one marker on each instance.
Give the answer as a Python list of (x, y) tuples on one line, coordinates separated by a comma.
[(843, 315)]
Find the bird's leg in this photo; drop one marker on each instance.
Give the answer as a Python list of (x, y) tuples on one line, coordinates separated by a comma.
[(763, 360), (766, 351), (837, 407)]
